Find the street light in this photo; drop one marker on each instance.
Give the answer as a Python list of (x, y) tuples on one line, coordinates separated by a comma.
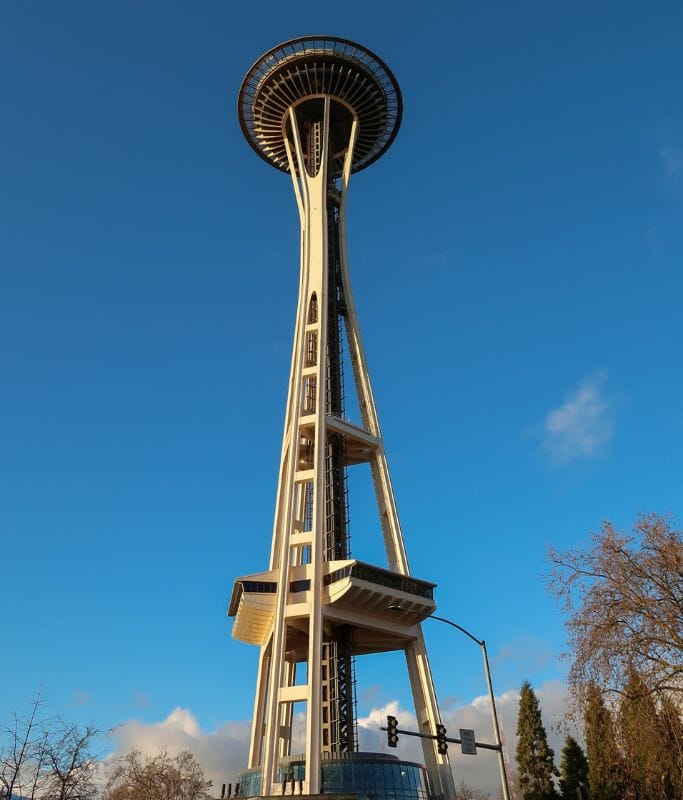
[(494, 715)]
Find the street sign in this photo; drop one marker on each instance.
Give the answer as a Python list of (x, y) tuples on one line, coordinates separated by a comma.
[(467, 742)]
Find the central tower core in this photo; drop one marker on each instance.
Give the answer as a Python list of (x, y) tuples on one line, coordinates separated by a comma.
[(321, 108)]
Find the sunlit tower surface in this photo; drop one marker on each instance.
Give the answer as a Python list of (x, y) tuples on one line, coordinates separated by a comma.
[(322, 108)]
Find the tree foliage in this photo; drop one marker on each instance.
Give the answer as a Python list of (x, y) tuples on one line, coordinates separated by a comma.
[(605, 764), (573, 769), (671, 732), (535, 766), (635, 749), (160, 777), (624, 595)]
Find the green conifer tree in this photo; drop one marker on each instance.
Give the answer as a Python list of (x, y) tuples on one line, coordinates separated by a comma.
[(605, 766), (573, 769), (535, 767), (651, 742), (671, 732), (641, 741)]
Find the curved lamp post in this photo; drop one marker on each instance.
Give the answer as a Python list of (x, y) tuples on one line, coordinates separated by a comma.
[(494, 715)]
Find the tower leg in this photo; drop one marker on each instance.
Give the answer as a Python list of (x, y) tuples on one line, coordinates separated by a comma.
[(258, 722), (428, 717)]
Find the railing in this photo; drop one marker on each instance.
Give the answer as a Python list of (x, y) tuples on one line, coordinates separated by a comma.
[(381, 577)]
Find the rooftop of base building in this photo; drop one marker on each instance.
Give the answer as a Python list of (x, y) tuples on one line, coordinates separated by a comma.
[(366, 776)]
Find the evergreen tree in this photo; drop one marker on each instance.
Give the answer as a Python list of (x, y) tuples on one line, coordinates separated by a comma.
[(535, 767), (573, 769), (641, 742), (652, 740), (605, 765), (671, 732)]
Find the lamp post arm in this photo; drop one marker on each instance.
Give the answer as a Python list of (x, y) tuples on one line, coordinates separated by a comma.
[(480, 642)]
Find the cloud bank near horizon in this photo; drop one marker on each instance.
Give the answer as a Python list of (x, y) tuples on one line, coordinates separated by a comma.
[(223, 751)]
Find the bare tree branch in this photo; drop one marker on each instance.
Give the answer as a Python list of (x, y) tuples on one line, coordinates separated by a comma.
[(162, 777), (624, 597), (46, 758)]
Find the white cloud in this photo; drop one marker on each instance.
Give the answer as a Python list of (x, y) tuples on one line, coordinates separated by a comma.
[(582, 426), (223, 752), (378, 716), (480, 771)]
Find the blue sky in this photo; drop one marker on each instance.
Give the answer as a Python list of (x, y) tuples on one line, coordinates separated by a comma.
[(516, 261)]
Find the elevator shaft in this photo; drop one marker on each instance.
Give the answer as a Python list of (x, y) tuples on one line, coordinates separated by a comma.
[(338, 668)]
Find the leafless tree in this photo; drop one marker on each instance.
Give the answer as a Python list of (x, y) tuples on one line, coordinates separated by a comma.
[(465, 792), (161, 777), (46, 758), (71, 765), (22, 751), (624, 596)]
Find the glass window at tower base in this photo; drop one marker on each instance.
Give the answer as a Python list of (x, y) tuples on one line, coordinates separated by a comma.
[(368, 776)]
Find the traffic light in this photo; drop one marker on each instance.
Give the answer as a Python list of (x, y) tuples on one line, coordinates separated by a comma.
[(392, 731), (441, 743)]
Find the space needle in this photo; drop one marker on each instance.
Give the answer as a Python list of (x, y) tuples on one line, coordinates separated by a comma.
[(322, 108)]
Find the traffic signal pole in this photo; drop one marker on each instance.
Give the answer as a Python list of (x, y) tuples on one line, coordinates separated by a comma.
[(392, 736)]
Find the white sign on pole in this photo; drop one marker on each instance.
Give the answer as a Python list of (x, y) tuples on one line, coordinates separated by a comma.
[(467, 742)]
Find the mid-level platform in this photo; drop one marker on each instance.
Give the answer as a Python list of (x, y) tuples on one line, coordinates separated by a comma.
[(354, 593)]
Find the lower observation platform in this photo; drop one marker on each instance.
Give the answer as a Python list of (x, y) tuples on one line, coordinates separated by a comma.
[(351, 776), (354, 593)]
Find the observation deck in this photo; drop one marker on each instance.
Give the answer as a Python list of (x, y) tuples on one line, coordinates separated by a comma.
[(353, 593), (313, 67)]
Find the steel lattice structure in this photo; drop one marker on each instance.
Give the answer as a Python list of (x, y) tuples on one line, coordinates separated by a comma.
[(321, 108)]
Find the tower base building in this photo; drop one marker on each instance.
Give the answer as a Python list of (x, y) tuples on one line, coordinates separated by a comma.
[(321, 109)]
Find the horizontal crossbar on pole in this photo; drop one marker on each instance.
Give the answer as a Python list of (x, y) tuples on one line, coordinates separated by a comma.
[(484, 745)]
